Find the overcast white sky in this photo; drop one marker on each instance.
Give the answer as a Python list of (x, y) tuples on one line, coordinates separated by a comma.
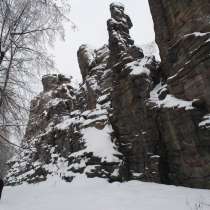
[(90, 16)]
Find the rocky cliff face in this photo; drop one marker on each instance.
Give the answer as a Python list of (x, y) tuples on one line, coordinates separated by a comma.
[(134, 75), (184, 50), (132, 117), (64, 137)]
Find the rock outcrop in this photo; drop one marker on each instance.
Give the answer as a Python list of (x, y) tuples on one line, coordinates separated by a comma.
[(182, 34), (134, 75), (132, 117), (64, 138)]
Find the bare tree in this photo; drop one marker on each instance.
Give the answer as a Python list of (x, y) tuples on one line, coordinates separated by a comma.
[(6, 152), (27, 27)]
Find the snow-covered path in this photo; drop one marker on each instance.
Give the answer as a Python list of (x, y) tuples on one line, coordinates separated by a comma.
[(97, 194)]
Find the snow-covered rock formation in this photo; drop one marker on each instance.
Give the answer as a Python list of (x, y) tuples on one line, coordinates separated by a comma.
[(130, 118), (64, 138), (185, 71), (71, 131)]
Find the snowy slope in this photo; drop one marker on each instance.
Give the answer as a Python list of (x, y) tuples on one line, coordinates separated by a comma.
[(98, 194)]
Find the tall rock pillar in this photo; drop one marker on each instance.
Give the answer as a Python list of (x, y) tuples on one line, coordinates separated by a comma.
[(133, 78)]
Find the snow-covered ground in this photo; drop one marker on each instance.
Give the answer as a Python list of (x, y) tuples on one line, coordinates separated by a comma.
[(98, 194)]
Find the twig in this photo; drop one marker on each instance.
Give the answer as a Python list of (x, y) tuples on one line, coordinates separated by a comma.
[(6, 140)]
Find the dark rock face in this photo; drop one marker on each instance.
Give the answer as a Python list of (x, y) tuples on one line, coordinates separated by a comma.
[(184, 49), (97, 79), (118, 28), (86, 59), (133, 77), (121, 45), (51, 82)]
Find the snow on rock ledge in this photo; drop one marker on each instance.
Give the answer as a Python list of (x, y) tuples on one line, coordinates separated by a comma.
[(206, 121), (169, 101), (99, 142)]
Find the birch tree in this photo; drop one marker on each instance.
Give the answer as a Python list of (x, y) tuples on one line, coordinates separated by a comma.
[(27, 27)]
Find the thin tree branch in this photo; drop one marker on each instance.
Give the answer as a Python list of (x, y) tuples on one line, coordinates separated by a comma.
[(32, 31), (8, 142)]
